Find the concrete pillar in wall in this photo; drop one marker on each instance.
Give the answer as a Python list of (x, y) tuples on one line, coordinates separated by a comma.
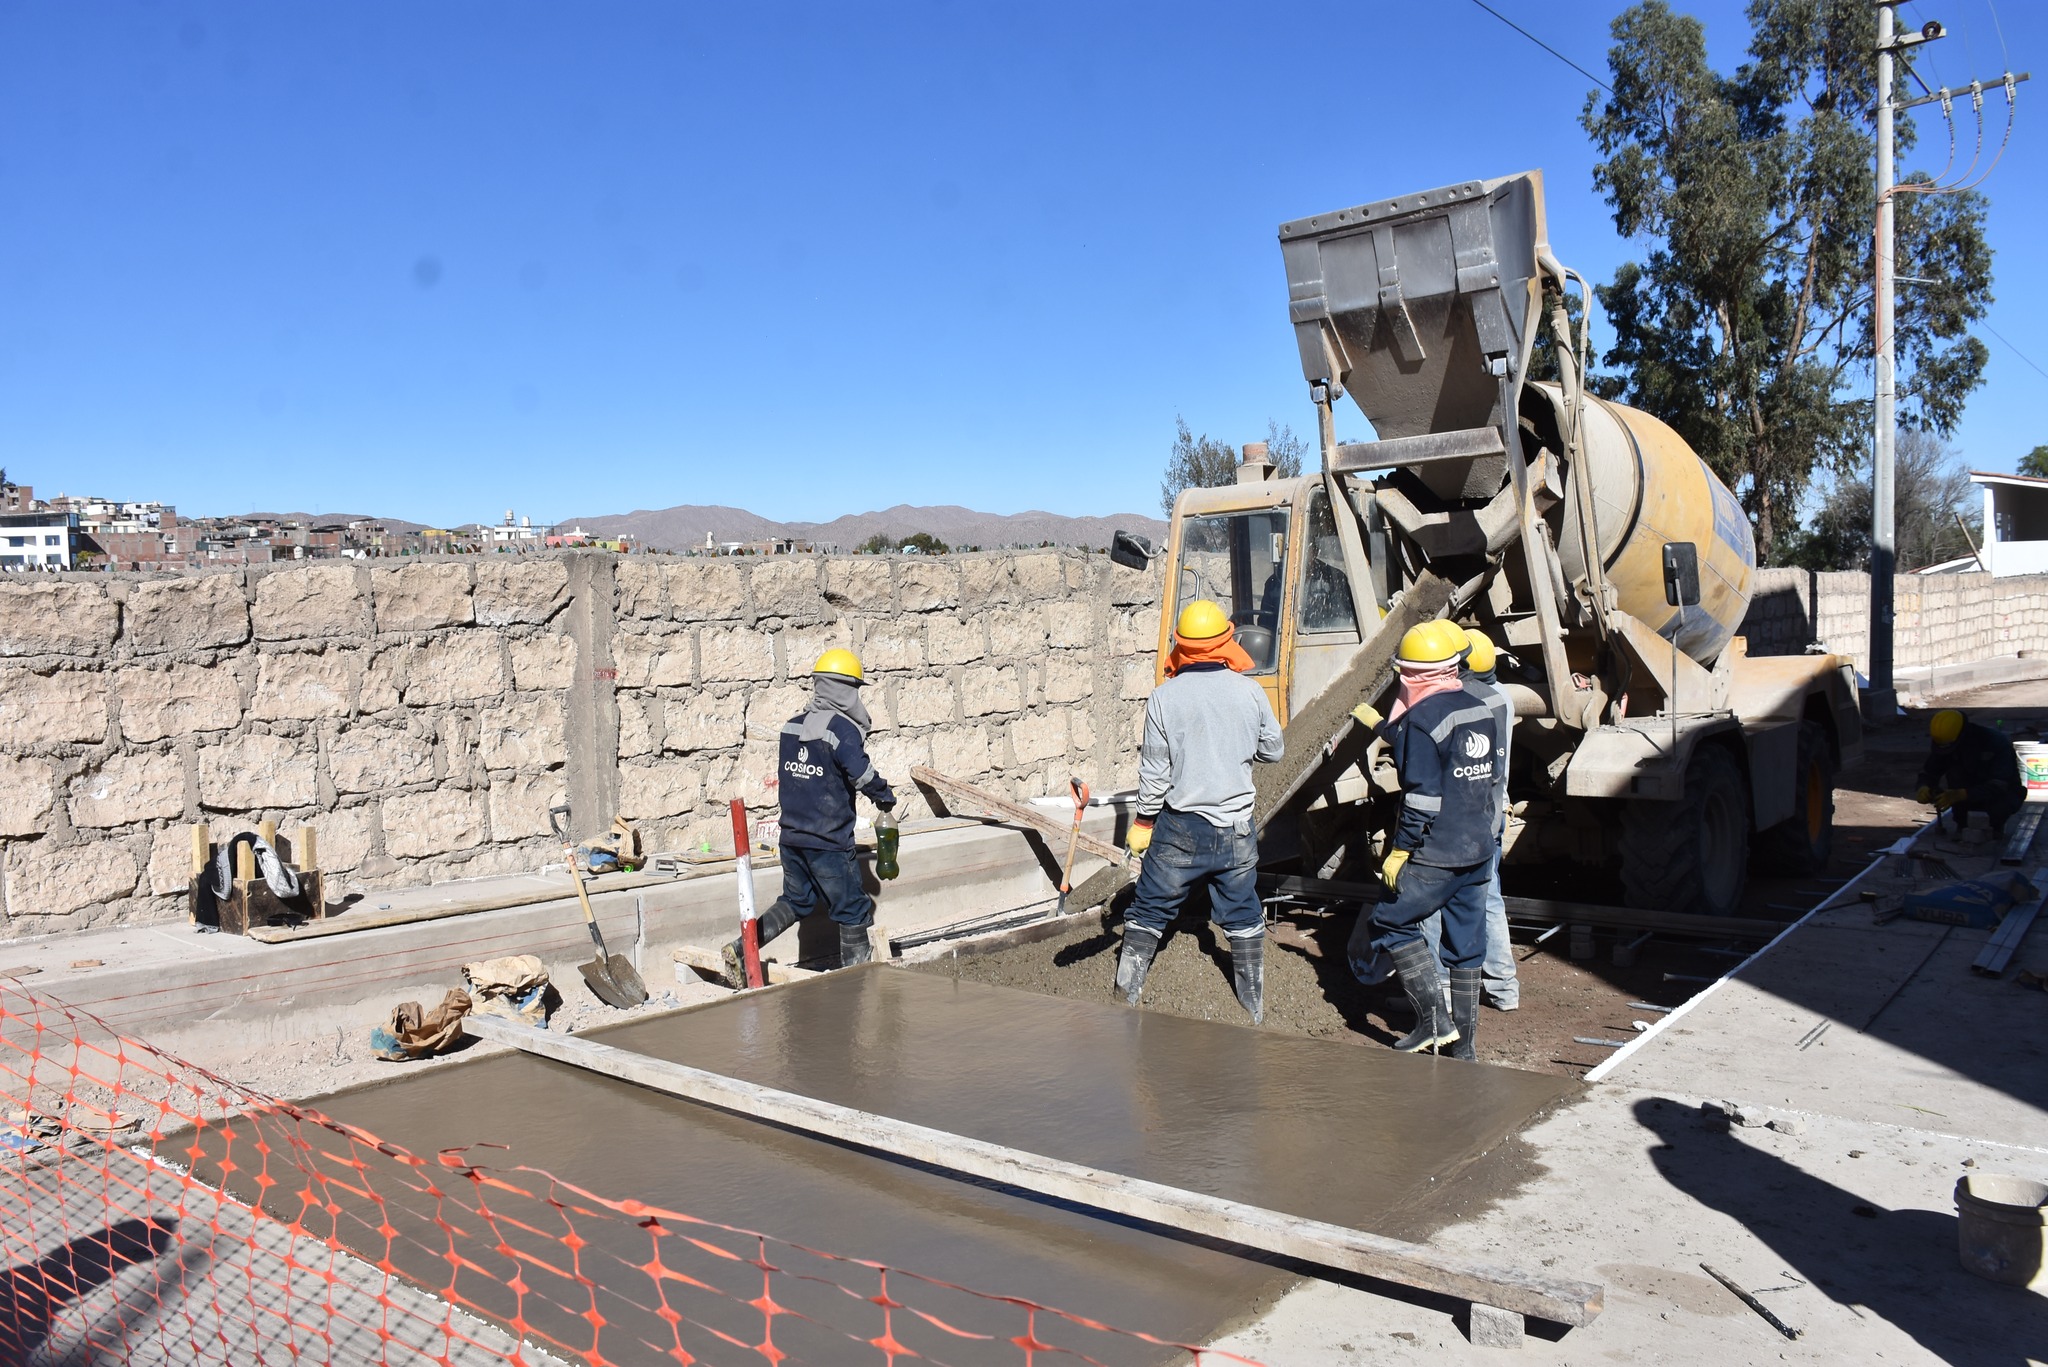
[(592, 742)]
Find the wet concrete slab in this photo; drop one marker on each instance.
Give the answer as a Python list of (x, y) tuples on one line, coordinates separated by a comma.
[(1357, 1136)]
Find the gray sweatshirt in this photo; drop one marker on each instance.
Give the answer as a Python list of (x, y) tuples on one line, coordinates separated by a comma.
[(1203, 729)]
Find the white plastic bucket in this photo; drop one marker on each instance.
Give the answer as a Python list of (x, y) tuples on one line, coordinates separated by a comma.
[(2033, 758)]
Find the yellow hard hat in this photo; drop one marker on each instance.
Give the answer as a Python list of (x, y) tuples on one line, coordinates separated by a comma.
[(1201, 620), (1432, 643), (843, 663), (1945, 727), (1481, 657)]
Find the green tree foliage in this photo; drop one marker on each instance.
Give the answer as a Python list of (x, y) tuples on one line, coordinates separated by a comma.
[(1204, 463), (878, 544), (924, 542), (2035, 463), (1937, 514), (1747, 324)]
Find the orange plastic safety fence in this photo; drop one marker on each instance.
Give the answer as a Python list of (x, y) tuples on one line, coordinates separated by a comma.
[(154, 1212)]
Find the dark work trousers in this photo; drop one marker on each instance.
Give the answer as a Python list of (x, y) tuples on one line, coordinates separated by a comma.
[(826, 880), (1186, 850), (1425, 890), (1998, 804)]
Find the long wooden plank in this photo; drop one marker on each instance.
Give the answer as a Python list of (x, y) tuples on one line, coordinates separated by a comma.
[(341, 923), (958, 791), (1314, 1241), (712, 961), (1549, 910)]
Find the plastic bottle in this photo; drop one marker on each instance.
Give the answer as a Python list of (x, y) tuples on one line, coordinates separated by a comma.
[(885, 846)]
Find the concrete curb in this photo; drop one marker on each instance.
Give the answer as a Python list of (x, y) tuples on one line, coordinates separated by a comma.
[(1917, 685)]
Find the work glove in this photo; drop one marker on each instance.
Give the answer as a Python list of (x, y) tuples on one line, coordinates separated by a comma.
[(1949, 797), (1368, 716), (1139, 838), (1926, 794), (1390, 871)]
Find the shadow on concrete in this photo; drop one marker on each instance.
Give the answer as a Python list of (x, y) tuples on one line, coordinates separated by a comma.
[(32, 1294), (1899, 1265)]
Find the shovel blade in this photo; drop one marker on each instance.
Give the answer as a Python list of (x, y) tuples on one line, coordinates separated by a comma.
[(614, 981)]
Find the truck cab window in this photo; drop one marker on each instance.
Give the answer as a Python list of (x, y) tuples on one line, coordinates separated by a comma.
[(1325, 587), (1237, 560)]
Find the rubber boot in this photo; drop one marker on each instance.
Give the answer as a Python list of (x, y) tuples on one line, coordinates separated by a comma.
[(1135, 962), (854, 946), (779, 917), (1422, 979), (1465, 1012), (1248, 974)]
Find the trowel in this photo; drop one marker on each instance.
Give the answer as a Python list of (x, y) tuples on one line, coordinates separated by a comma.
[(611, 977)]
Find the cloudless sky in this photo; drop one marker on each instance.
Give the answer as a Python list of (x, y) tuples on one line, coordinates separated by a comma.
[(438, 260)]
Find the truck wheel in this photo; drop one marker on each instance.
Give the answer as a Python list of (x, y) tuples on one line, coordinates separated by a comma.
[(1800, 845), (1692, 854)]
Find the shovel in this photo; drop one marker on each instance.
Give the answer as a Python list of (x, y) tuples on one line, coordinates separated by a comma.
[(1080, 791), (611, 976)]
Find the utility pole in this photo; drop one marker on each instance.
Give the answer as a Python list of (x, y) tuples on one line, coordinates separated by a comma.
[(1883, 701)]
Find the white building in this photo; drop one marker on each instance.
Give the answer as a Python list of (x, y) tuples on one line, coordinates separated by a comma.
[(36, 541), (2015, 523), (509, 533)]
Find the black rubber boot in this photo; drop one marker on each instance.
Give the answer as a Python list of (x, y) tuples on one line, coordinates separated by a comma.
[(1135, 962), (1422, 979), (854, 946), (779, 917), (1248, 975), (1465, 1012)]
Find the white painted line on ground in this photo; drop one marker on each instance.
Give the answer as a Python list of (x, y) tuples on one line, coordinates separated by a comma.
[(1609, 1064)]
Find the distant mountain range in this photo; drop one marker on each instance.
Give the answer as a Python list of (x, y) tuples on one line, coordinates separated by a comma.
[(686, 527)]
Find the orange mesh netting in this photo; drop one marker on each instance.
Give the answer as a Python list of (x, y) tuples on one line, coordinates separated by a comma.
[(154, 1212)]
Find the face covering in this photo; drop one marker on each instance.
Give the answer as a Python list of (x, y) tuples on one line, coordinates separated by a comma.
[(831, 693), (1421, 681), (1222, 649)]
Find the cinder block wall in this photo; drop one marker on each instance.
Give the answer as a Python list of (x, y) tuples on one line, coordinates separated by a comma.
[(424, 715), (1936, 618)]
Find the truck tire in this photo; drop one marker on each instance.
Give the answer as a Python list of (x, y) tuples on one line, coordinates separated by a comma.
[(1692, 854), (1800, 845)]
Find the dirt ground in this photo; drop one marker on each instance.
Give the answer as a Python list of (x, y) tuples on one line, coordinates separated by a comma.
[(1310, 990)]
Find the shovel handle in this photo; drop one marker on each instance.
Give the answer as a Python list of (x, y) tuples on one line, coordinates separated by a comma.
[(1080, 794)]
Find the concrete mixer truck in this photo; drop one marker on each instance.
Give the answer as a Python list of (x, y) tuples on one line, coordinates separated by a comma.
[(1584, 536)]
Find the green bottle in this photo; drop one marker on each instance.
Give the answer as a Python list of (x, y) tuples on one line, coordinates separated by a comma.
[(885, 846)]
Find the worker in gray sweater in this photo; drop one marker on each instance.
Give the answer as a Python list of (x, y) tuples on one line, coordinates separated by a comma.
[(1205, 726)]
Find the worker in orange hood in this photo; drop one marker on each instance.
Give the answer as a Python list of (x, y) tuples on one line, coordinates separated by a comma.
[(1204, 729)]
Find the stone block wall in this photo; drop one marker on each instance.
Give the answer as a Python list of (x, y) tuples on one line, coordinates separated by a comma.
[(1936, 618), (424, 715)]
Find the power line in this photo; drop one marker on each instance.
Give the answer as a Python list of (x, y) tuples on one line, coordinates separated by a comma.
[(2015, 350), (1545, 46)]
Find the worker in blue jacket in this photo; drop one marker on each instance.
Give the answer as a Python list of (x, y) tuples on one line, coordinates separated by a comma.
[(824, 763), (1445, 749)]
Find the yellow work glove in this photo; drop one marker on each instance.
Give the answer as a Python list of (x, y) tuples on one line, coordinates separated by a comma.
[(1926, 794), (1368, 716), (1139, 838), (1949, 797), (1390, 872)]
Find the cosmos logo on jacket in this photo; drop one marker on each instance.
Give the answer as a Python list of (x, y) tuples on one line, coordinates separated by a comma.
[(801, 766), (1478, 746)]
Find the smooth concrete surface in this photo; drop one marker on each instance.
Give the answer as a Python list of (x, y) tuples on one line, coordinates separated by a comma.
[(1890, 1069), (1358, 1136), (1916, 686), (167, 981)]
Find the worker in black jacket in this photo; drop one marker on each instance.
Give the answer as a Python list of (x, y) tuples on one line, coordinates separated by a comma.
[(1445, 744), (824, 762), (1970, 768)]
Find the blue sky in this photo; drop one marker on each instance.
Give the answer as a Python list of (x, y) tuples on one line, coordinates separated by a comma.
[(437, 260)]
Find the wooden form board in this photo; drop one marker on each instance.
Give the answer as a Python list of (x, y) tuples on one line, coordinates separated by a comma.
[(1543, 909), (960, 793), (713, 962), (1552, 1298)]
